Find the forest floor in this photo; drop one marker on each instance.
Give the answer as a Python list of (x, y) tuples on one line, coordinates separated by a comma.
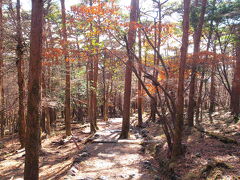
[(213, 156), (143, 156), (103, 157)]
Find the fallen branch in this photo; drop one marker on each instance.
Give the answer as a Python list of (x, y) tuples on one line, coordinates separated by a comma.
[(73, 128), (85, 141), (127, 141), (75, 142), (217, 136), (88, 139)]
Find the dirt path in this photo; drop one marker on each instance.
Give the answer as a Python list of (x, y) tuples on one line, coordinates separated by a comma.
[(60, 158), (106, 159)]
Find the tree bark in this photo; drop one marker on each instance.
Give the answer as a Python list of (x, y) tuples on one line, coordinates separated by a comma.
[(68, 78), (95, 83), (139, 98), (31, 169), (178, 126), (90, 98), (212, 86), (104, 89), (1, 73), (236, 79), (21, 83), (155, 74), (212, 95), (200, 93), (197, 39), (91, 63), (128, 73)]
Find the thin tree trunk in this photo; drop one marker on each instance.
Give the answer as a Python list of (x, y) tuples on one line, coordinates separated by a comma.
[(199, 100), (105, 111), (91, 110), (213, 85), (46, 46), (109, 93), (213, 70), (114, 102), (95, 83), (178, 126), (20, 65), (90, 99), (152, 103), (120, 103), (1, 73), (68, 78), (197, 39), (87, 86), (139, 98), (128, 73), (104, 89), (31, 169), (49, 68)]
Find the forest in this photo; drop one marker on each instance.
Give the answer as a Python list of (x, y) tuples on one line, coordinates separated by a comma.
[(120, 89)]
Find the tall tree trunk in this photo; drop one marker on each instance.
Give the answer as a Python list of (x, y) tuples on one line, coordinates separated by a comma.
[(20, 65), (153, 103), (95, 83), (212, 95), (105, 110), (236, 79), (90, 95), (104, 89), (91, 110), (200, 93), (50, 44), (45, 76), (120, 103), (31, 170), (212, 91), (197, 40), (178, 127), (213, 65), (107, 92), (68, 78), (87, 86), (114, 111), (139, 98), (1, 73), (128, 73)]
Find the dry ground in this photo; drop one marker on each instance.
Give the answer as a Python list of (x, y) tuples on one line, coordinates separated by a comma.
[(106, 158), (61, 159), (201, 151), (55, 158)]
